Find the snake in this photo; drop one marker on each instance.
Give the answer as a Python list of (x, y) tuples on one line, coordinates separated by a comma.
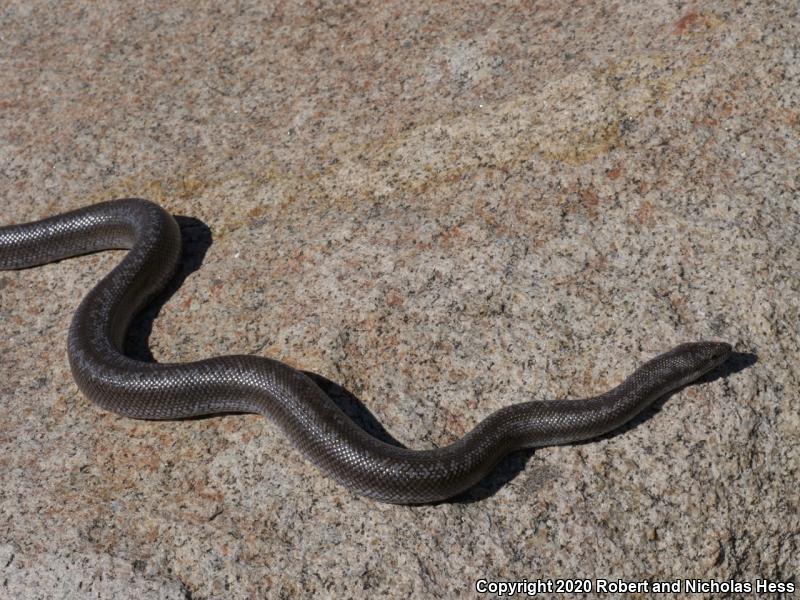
[(311, 420)]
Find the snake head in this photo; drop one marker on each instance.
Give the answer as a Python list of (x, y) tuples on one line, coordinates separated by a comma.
[(695, 359)]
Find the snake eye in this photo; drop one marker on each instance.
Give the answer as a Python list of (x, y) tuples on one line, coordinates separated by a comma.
[(724, 349), (720, 351)]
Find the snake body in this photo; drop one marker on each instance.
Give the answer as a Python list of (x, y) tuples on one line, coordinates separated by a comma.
[(243, 383)]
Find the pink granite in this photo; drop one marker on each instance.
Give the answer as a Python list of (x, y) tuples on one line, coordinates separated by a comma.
[(444, 209)]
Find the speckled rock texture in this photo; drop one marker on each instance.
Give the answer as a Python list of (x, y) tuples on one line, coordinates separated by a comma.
[(441, 209)]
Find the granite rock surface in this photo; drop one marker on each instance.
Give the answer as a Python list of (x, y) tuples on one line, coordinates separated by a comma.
[(440, 209)]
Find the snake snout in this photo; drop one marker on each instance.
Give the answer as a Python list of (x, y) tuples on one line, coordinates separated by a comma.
[(721, 351)]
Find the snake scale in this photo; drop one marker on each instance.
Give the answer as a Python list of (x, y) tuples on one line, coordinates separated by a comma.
[(310, 419)]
